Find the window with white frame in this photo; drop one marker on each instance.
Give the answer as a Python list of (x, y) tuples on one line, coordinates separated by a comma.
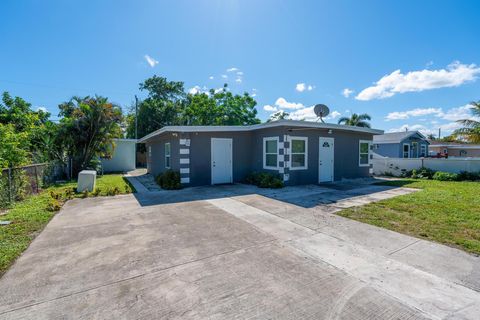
[(423, 150), (299, 153), (270, 153), (406, 150), (364, 153), (167, 155)]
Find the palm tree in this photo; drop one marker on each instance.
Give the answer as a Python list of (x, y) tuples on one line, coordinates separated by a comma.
[(356, 120), (279, 115), (471, 127)]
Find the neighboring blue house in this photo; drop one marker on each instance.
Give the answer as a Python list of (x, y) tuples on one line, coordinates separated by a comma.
[(408, 144)]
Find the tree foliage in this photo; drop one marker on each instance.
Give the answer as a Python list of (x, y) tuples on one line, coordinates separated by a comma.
[(356, 120), (279, 115), (167, 103), (471, 127), (22, 128), (88, 128)]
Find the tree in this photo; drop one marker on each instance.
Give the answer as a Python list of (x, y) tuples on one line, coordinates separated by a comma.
[(220, 107), (88, 128), (471, 127), (162, 107), (431, 136), (32, 125), (279, 115), (14, 147), (356, 120), (168, 104)]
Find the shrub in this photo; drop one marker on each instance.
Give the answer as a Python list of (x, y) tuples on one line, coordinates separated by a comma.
[(472, 176), (96, 192), (264, 180), (445, 176), (169, 180), (425, 173), (53, 205)]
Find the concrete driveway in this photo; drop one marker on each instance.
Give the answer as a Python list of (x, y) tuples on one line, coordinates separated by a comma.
[(235, 252)]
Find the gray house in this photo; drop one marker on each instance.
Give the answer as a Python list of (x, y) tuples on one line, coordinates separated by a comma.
[(408, 144), (301, 152)]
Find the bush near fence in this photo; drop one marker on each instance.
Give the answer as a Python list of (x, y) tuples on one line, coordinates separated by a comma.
[(17, 183)]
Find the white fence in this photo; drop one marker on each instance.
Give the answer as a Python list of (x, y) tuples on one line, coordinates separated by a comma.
[(396, 166)]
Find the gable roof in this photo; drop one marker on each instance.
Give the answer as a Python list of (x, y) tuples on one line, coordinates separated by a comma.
[(273, 124), (397, 137)]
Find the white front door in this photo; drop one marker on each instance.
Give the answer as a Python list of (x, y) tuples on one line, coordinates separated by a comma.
[(221, 161), (325, 159)]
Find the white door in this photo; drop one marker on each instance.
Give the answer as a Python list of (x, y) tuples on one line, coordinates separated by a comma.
[(221, 161), (325, 159)]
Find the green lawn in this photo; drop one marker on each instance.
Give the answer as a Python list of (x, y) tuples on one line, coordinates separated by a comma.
[(30, 216), (446, 212)]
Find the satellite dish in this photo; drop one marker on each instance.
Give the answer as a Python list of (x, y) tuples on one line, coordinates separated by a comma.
[(321, 111)]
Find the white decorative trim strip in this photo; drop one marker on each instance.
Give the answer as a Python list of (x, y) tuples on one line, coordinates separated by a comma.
[(184, 170), (281, 157), (185, 142), (281, 170), (184, 151), (185, 180), (280, 145), (184, 160)]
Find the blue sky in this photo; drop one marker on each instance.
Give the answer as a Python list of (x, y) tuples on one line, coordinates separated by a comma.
[(408, 64)]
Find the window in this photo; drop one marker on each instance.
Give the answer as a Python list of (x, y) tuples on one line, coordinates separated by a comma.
[(406, 150), (270, 153), (423, 150), (167, 155), (299, 153), (364, 153)]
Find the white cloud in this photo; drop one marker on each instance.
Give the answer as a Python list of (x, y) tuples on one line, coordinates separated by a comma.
[(452, 114), (454, 75), (224, 76), (151, 61), (347, 92), (333, 115), (400, 115), (211, 77), (414, 127), (284, 104), (459, 113), (232, 69), (195, 90), (300, 87), (43, 109), (270, 108), (239, 73), (238, 80)]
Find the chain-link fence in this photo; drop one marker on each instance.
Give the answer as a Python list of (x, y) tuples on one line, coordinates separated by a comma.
[(17, 183)]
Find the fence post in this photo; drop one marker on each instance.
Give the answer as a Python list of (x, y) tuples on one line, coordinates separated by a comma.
[(10, 185), (36, 178)]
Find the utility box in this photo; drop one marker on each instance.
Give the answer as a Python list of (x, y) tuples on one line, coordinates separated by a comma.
[(86, 180)]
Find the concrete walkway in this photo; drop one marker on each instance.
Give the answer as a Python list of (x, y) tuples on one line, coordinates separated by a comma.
[(235, 252)]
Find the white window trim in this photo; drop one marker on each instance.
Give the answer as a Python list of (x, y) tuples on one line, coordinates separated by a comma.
[(169, 154), (423, 150), (265, 139), (369, 142), (403, 150), (305, 167)]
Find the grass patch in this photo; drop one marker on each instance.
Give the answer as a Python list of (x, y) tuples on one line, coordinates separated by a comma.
[(444, 211), (30, 216)]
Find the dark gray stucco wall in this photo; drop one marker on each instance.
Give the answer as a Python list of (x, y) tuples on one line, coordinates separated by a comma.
[(346, 153), (156, 163), (247, 155), (200, 155)]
